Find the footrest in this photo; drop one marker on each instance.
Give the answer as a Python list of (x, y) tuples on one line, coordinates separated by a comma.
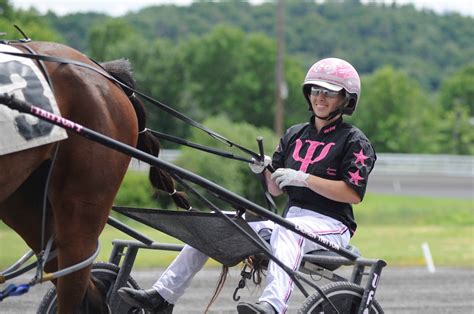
[(207, 232)]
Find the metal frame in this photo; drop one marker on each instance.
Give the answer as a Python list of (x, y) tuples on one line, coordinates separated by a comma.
[(124, 253)]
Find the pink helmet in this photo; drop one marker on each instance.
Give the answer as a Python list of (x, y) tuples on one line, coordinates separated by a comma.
[(334, 74)]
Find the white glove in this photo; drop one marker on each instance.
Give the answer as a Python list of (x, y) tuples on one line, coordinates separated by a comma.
[(258, 166), (286, 176)]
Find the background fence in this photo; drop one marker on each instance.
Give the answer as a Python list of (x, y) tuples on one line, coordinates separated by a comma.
[(404, 174), (449, 165), (387, 164)]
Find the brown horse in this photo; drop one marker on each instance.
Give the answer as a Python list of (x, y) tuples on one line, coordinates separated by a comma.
[(85, 175)]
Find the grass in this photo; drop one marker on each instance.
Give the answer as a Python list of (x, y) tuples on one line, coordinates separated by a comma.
[(12, 247), (415, 210), (390, 227), (401, 245)]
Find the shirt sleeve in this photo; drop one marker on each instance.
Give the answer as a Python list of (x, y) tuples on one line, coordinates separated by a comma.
[(357, 164)]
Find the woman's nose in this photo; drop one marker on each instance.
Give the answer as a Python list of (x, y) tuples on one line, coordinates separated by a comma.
[(320, 96)]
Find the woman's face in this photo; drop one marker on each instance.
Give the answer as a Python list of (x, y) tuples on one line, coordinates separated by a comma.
[(324, 101)]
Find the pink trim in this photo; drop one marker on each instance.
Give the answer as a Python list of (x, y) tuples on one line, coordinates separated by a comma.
[(295, 266), (337, 231)]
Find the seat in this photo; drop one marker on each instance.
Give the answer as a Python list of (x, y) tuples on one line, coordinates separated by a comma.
[(307, 266)]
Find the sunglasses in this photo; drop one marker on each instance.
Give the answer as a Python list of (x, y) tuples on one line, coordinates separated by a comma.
[(326, 92)]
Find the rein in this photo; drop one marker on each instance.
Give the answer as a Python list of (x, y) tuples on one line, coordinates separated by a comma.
[(153, 101), (207, 149), (269, 200)]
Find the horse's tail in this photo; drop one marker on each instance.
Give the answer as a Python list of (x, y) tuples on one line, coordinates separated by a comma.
[(147, 142), (219, 286), (160, 179)]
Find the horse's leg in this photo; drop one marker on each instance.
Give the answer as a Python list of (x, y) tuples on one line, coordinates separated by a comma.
[(81, 205), (85, 183)]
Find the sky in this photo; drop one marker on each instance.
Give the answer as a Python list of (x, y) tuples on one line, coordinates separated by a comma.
[(120, 7)]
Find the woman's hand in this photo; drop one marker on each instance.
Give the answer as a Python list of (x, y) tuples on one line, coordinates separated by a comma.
[(286, 176), (258, 166)]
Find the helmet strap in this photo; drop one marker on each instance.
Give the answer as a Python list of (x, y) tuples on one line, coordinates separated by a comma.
[(331, 115)]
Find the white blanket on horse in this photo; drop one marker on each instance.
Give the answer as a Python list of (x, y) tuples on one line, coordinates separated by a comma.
[(23, 79)]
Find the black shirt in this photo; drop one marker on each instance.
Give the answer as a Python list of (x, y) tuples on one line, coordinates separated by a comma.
[(339, 151)]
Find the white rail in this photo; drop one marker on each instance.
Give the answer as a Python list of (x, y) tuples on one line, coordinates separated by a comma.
[(387, 164), (448, 165)]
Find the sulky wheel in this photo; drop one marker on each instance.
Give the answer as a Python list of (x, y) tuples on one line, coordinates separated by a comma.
[(104, 272), (345, 296)]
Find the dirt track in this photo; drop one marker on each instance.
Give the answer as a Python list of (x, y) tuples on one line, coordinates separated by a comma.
[(401, 290)]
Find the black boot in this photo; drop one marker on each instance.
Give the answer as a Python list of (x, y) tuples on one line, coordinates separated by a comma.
[(149, 300), (255, 308)]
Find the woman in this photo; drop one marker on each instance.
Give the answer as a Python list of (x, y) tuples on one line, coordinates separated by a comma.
[(323, 165)]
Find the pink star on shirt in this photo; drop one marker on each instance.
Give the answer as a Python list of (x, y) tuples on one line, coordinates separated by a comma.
[(355, 177), (360, 157)]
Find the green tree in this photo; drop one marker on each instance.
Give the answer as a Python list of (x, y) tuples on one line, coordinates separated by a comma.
[(457, 98), (159, 74), (228, 71), (103, 37), (75, 27), (370, 35), (29, 21), (6, 10), (231, 72), (224, 72), (396, 114), (459, 88)]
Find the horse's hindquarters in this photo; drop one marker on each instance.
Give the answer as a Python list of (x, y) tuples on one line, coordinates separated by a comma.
[(85, 175)]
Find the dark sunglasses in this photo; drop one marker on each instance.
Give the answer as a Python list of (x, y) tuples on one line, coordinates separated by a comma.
[(326, 92)]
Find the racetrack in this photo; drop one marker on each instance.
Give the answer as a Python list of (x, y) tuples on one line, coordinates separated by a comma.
[(401, 290)]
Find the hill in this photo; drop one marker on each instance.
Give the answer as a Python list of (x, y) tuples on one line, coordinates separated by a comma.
[(426, 45)]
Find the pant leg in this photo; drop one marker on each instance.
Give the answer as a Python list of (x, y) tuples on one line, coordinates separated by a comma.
[(177, 277), (289, 248)]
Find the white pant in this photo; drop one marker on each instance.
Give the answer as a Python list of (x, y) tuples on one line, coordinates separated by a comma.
[(287, 246)]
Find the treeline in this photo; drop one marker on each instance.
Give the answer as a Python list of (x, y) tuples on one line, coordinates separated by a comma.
[(421, 43), (219, 58)]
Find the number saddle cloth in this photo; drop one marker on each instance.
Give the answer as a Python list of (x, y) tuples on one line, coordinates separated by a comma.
[(21, 78)]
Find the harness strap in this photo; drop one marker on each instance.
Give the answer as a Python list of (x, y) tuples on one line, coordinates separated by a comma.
[(159, 104), (67, 270), (41, 65)]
